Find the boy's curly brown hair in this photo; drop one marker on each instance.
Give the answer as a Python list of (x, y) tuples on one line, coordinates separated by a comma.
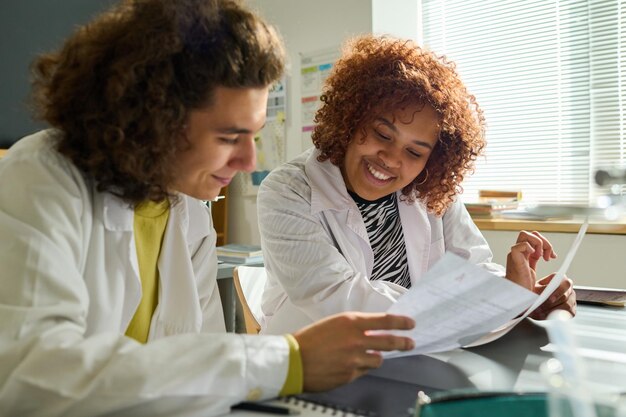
[(122, 86), (377, 75)]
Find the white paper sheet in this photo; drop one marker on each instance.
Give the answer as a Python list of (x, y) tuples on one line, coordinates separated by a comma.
[(457, 304)]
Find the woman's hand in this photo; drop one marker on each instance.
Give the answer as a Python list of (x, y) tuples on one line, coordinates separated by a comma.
[(521, 261), (563, 298), (521, 266)]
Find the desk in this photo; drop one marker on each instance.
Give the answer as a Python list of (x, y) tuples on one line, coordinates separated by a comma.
[(510, 363), (559, 226)]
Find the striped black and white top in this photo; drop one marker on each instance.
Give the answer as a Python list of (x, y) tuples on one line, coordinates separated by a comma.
[(384, 229)]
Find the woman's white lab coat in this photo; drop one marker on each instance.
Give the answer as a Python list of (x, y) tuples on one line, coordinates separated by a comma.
[(317, 251), (69, 287)]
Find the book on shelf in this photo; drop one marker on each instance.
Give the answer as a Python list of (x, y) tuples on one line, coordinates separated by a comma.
[(491, 203), (523, 214), (494, 195), (240, 260), (237, 250), (489, 207), (237, 253)]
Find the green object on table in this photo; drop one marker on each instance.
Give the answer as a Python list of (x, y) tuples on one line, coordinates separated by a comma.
[(475, 403)]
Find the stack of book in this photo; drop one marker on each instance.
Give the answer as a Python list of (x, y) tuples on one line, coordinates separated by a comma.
[(235, 253), (491, 203)]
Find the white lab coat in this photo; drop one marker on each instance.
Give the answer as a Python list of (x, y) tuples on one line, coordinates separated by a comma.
[(317, 251), (70, 285)]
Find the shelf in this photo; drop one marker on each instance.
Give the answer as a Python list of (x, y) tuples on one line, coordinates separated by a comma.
[(559, 226), (219, 211)]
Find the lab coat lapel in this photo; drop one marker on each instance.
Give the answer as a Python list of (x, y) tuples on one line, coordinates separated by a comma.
[(329, 195), (118, 219), (175, 313), (417, 231)]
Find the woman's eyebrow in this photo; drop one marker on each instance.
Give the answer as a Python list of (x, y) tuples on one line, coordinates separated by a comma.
[(395, 129)]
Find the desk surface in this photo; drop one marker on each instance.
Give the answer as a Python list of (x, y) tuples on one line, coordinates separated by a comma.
[(559, 226), (513, 361)]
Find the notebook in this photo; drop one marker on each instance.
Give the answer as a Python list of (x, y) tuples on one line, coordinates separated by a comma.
[(600, 296), (389, 391), (368, 396)]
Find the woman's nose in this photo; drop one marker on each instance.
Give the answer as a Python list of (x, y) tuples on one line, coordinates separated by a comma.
[(389, 158)]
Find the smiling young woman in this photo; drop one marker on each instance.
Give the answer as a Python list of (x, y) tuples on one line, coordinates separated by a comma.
[(356, 220)]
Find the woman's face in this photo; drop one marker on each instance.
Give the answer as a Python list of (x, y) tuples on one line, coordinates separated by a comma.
[(221, 139), (393, 152)]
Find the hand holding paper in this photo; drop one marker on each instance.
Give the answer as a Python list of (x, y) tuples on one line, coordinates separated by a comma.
[(457, 303)]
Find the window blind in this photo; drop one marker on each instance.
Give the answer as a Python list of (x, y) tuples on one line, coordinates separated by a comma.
[(550, 78)]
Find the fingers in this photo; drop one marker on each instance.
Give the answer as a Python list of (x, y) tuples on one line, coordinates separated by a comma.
[(519, 262), (521, 251), (563, 298), (525, 253), (517, 265), (382, 342), (543, 282), (383, 321), (368, 322), (569, 305), (370, 360), (540, 244), (342, 347), (563, 292)]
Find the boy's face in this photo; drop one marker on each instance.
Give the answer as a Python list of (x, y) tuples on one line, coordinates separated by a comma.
[(393, 152), (221, 141)]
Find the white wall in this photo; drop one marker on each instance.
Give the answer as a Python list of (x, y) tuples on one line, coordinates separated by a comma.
[(600, 260), (306, 26), (399, 18)]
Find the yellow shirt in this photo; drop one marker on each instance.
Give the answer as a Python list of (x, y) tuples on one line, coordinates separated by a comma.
[(149, 226)]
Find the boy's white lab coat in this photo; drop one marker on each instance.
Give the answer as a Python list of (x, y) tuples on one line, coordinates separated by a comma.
[(70, 285), (317, 252)]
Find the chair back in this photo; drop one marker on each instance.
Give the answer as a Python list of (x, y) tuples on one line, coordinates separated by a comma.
[(249, 283)]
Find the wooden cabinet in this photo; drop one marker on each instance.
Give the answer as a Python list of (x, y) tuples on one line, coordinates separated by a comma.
[(219, 211)]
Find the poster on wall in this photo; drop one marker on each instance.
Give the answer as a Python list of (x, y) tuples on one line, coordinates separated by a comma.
[(314, 68), (270, 141)]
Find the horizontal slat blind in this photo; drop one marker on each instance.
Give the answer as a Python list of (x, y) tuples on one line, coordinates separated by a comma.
[(549, 76)]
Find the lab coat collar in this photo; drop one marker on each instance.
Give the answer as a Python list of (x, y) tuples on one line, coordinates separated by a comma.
[(328, 189), (118, 216), (329, 192), (187, 225)]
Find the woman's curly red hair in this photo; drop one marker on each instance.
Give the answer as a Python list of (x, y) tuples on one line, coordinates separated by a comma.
[(379, 75)]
